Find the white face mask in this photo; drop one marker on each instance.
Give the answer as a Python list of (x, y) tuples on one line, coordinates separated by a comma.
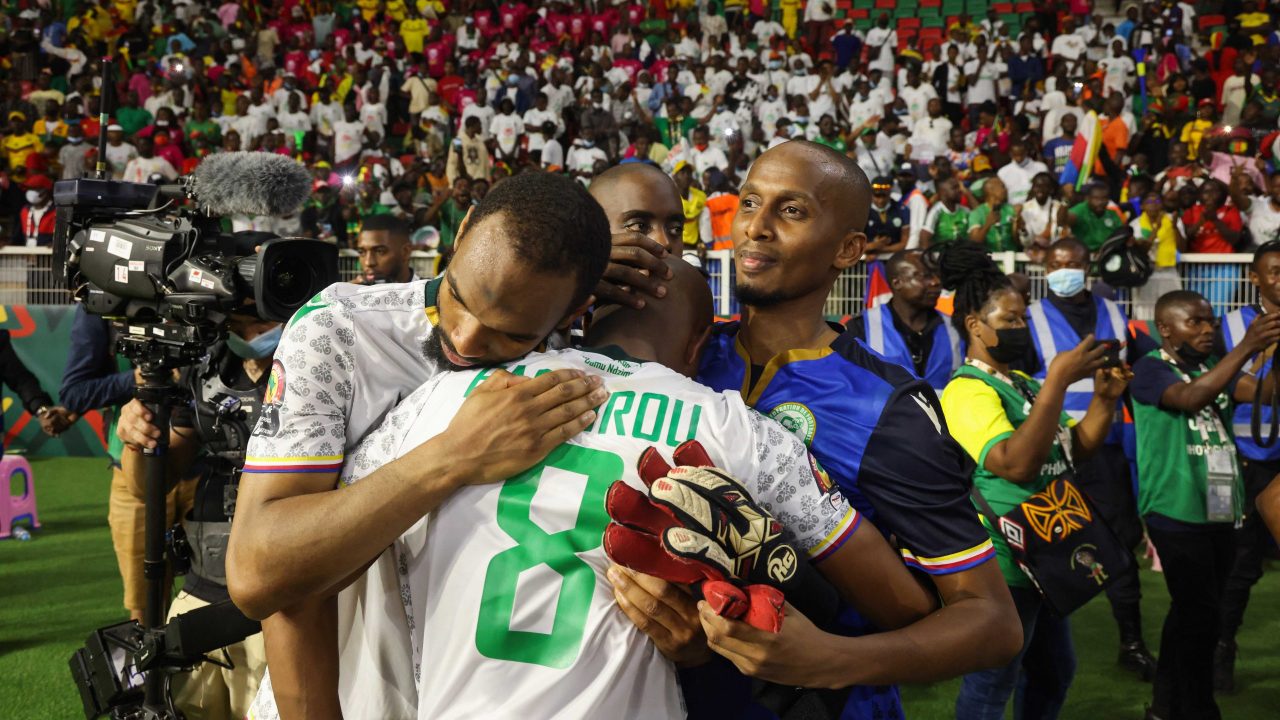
[(33, 197)]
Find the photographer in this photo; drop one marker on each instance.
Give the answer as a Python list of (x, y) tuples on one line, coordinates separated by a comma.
[(210, 448)]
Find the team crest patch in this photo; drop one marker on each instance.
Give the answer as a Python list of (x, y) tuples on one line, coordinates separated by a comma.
[(269, 421), (797, 418)]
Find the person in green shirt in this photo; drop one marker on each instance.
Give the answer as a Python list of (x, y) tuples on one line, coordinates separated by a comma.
[(1016, 431), (947, 220), (448, 211), (132, 118), (1190, 487), (829, 134), (1094, 220), (991, 223), (201, 125)]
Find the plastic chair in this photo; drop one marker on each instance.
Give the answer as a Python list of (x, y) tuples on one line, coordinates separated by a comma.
[(17, 507)]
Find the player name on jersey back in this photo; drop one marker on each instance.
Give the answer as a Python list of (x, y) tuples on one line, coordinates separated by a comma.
[(504, 585)]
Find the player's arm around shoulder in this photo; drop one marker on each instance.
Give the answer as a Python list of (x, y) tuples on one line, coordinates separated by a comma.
[(296, 534)]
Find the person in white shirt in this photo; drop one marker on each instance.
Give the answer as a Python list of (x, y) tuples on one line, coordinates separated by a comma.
[(916, 95), (1235, 91), (1119, 69), (704, 155), (534, 118), (507, 130), (915, 201), (583, 156), (1019, 171), (1069, 46), (325, 113), (247, 125), (141, 168), (119, 152), (930, 134), (480, 109), (373, 113), (1040, 217), (882, 44), (873, 152), (770, 110), (559, 93), (982, 73), (348, 138), (552, 150), (468, 36), (294, 119), (766, 30)]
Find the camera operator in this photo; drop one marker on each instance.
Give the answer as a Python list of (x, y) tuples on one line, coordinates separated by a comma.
[(210, 448)]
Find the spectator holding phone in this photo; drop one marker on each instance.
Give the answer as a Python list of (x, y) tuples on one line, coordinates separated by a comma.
[(1016, 430)]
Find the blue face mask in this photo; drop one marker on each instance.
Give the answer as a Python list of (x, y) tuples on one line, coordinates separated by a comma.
[(258, 348), (1066, 282)]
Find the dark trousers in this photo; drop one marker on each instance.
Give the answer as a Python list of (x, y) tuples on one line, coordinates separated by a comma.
[(818, 35), (1105, 477), (1252, 541), (1196, 564)]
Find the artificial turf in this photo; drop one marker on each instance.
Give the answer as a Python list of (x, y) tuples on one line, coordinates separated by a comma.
[(63, 583)]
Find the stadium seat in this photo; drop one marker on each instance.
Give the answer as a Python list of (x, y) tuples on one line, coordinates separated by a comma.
[(930, 3), (1003, 8), (859, 14), (909, 23), (17, 507), (1209, 21), (1025, 7)]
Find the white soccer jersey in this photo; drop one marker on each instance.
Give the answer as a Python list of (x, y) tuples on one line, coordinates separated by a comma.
[(346, 358), (504, 585)]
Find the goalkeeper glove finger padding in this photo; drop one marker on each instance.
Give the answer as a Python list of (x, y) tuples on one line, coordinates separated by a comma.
[(711, 504)]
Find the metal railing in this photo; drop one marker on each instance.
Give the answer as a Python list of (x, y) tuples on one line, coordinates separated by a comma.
[(27, 278)]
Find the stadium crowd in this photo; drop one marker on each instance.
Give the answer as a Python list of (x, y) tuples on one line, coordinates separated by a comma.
[(1065, 130)]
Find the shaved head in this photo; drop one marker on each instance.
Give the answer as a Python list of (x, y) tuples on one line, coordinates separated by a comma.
[(641, 198), (801, 216), (839, 178), (669, 330)]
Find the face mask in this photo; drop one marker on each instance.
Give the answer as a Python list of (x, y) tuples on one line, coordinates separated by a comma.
[(33, 197), (701, 146), (1011, 344), (802, 119), (258, 348), (775, 64), (75, 140), (162, 123), (1191, 355), (1066, 282)]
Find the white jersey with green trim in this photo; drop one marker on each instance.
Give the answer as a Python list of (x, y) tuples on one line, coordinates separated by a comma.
[(345, 360), (504, 585)]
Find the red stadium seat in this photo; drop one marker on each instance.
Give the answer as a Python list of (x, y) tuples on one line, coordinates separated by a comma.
[(905, 23), (1209, 21), (858, 14), (1003, 8), (885, 4)]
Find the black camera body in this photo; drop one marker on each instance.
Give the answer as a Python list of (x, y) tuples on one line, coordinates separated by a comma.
[(170, 279)]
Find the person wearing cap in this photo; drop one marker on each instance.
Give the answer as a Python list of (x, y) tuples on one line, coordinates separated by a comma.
[(36, 219), (889, 223), (20, 142), (119, 153), (1195, 130)]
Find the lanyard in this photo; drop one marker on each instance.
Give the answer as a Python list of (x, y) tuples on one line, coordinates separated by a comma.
[(1063, 433), (1206, 412)]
